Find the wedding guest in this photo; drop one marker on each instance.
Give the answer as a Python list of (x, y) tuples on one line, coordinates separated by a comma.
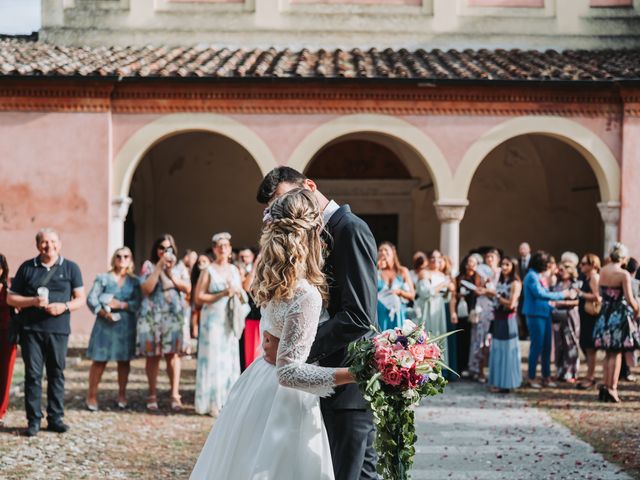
[(250, 341), (538, 313), (504, 360), (466, 309), (204, 260), (616, 330), (46, 289), (566, 326), (524, 253), (114, 299), (218, 357), (7, 349), (549, 277), (630, 356), (480, 339), (432, 291), (571, 258), (395, 288), (189, 259), (160, 326), (446, 267), (589, 293), (419, 261)]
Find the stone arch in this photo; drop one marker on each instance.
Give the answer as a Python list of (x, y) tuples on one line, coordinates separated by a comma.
[(130, 155), (395, 128), (597, 154)]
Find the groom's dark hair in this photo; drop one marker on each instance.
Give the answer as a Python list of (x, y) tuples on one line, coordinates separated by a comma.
[(275, 177)]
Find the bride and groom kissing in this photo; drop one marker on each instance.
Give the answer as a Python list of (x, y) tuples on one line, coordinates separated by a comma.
[(296, 413)]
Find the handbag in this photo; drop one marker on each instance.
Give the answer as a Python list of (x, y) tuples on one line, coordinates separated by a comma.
[(593, 307), (462, 308), (15, 324), (237, 311)]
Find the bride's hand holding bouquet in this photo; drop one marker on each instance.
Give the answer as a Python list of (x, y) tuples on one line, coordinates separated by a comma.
[(396, 369)]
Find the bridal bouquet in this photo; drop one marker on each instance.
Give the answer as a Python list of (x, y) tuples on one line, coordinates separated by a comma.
[(396, 369)]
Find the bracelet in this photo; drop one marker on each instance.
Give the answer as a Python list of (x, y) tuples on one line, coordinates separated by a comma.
[(66, 307)]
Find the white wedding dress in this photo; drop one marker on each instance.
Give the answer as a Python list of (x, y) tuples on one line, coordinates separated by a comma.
[(271, 427)]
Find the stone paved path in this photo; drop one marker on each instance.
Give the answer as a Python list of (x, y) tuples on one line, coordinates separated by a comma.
[(468, 433)]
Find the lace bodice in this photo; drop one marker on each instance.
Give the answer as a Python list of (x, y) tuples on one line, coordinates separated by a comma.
[(295, 323)]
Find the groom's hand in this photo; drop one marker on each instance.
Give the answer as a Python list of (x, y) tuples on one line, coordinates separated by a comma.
[(270, 347)]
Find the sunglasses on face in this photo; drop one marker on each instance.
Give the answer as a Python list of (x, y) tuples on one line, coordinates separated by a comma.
[(162, 248), (122, 257)]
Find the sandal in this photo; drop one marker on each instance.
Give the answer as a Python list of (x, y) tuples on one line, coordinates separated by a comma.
[(152, 404), (586, 384), (176, 404)]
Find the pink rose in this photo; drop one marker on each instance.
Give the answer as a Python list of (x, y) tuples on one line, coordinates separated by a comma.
[(417, 351), (392, 377), (404, 358), (432, 352)]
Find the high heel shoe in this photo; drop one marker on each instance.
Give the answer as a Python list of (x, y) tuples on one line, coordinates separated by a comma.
[(610, 397)]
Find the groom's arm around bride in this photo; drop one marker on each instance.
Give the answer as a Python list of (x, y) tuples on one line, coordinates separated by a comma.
[(351, 272)]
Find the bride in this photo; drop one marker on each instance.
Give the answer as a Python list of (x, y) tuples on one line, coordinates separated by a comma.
[(271, 427)]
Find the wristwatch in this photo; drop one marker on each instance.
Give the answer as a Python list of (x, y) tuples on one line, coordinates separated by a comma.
[(66, 307)]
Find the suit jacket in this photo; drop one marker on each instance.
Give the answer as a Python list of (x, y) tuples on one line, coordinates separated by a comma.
[(537, 297), (351, 274)]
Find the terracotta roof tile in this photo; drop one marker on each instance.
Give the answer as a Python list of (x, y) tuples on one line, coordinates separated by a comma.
[(20, 57)]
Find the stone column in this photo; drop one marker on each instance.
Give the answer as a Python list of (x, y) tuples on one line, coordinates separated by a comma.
[(450, 213), (610, 212), (119, 209)]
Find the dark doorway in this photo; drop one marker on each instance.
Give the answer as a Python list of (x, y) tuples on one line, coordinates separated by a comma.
[(384, 227)]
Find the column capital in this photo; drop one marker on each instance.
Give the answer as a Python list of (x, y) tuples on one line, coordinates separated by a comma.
[(610, 212), (450, 209), (120, 208)]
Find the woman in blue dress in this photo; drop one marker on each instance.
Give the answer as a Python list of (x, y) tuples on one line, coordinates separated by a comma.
[(395, 288), (114, 299), (505, 373)]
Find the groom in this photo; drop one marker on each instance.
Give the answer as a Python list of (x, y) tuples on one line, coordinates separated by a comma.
[(351, 273)]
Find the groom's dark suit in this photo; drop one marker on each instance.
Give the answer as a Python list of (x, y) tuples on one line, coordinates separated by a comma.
[(351, 273)]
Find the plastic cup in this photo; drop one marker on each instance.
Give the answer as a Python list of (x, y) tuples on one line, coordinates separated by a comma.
[(43, 293)]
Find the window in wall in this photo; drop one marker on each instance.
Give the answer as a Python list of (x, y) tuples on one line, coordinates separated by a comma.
[(361, 2), (507, 3), (611, 3), (205, 1)]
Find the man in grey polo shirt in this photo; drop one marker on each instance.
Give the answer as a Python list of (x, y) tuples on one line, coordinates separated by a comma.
[(46, 289)]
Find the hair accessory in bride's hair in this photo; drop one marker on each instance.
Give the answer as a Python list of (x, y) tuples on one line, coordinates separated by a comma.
[(266, 216)]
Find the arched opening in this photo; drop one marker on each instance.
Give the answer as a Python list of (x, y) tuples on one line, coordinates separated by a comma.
[(385, 182), (535, 188), (193, 185)]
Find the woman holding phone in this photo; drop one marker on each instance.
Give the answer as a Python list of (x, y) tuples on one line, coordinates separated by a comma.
[(164, 285)]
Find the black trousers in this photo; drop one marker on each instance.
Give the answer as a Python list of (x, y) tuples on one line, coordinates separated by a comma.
[(351, 435), (39, 350)]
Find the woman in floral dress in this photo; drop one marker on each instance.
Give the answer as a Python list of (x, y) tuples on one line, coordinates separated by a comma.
[(616, 330), (161, 318), (115, 299), (218, 348)]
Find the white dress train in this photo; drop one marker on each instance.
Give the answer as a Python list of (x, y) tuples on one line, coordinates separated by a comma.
[(271, 427)]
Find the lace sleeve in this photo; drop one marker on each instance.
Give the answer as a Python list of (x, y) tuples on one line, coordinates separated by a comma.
[(299, 331)]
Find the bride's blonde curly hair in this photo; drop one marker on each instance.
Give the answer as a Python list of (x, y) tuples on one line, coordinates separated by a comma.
[(290, 248)]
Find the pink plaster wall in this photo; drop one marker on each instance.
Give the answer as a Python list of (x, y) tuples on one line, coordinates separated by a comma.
[(629, 232), (54, 172)]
